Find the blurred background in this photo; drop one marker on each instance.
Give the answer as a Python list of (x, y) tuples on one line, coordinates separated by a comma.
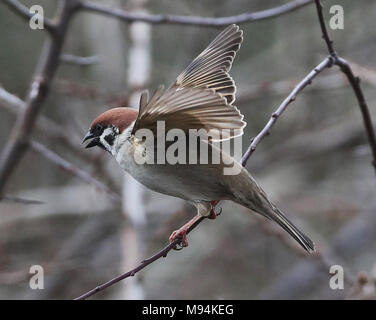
[(315, 165)]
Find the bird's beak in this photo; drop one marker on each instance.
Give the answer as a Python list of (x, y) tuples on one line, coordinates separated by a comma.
[(94, 142), (88, 136)]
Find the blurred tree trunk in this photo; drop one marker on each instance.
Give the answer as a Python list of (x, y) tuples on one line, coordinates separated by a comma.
[(112, 72), (133, 203)]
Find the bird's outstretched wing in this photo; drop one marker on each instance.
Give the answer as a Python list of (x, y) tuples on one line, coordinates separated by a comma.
[(210, 69), (202, 95), (191, 108)]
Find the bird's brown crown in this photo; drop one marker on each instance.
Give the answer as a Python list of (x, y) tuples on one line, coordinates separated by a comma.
[(119, 117)]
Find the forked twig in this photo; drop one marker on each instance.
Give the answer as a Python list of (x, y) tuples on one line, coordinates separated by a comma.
[(353, 80)]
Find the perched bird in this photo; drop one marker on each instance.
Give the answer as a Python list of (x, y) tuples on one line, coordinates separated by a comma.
[(202, 97)]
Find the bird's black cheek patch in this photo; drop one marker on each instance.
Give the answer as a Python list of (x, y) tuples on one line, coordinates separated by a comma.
[(110, 139)]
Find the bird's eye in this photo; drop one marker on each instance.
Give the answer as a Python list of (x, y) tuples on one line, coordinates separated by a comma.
[(98, 128)]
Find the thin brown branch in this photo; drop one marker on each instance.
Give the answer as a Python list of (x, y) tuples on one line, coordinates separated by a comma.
[(162, 253), (354, 82), (48, 64), (193, 20), (24, 12), (73, 170), (325, 34), (131, 273)]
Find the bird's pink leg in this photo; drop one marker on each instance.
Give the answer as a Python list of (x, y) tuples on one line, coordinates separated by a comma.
[(182, 232)]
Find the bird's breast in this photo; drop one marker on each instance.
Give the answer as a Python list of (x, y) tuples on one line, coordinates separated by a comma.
[(186, 181)]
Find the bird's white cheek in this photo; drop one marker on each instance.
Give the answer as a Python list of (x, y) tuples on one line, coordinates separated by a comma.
[(122, 148)]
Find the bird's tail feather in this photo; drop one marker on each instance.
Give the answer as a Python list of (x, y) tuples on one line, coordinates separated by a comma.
[(253, 197), (287, 225)]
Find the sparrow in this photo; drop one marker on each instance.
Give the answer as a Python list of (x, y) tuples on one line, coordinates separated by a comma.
[(202, 97)]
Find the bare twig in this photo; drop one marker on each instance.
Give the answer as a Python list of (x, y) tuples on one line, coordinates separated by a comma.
[(162, 253), (131, 273), (70, 168), (48, 63), (325, 34), (192, 20), (354, 82), (24, 12)]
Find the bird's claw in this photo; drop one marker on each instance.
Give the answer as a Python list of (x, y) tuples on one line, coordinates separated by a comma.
[(182, 234), (213, 214)]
